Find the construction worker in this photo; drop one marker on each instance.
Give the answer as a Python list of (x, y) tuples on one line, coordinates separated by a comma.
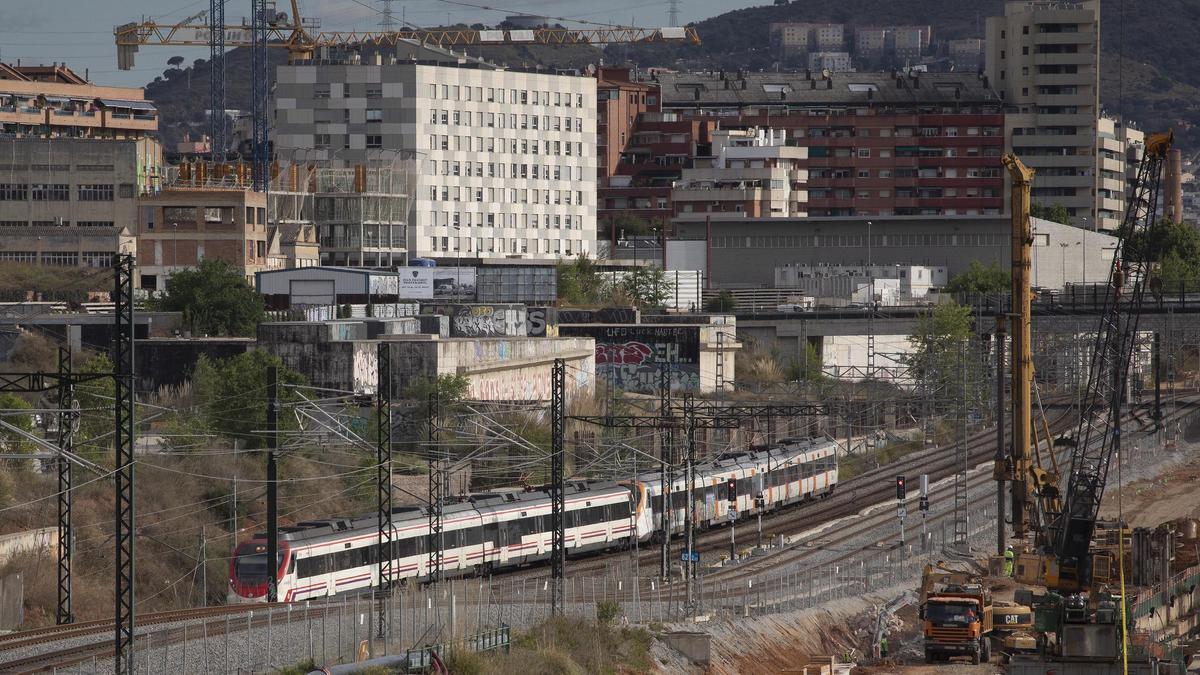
[(883, 647), (1008, 561)]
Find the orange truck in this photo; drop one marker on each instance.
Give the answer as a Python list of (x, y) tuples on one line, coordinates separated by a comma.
[(956, 618)]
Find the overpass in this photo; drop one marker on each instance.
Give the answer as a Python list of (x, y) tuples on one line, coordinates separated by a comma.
[(1178, 320)]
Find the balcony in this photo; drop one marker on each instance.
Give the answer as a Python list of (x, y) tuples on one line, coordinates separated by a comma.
[(1064, 120), (1052, 141), (121, 120), (22, 115), (1081, 38), (1082, 58)]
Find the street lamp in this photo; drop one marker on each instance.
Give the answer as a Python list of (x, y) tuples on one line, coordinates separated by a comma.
[(1063, 245), (457, 261)]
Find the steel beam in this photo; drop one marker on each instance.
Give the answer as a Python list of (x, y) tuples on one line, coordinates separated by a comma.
[(558, 489), (383, 486), (66, 540)]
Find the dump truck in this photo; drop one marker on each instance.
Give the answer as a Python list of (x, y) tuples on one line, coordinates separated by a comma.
[(956, 616)]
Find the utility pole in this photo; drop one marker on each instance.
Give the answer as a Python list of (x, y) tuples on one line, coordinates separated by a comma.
[(731, 495), (1157, 361), (123, 454), (1001, 460), (66, 428), (689, 473), (666, 466), (436, 490), (272, 483), (383, 485), (558, 490)]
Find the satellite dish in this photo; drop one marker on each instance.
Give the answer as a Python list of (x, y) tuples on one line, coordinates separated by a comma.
[(825, 73)]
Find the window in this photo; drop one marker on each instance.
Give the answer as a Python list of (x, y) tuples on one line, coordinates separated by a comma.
[(95, 193), (56, 192), (374, 115), (320, 140), (14, 192), (374, 91), (321, 91), (864, 152), (94, 223)]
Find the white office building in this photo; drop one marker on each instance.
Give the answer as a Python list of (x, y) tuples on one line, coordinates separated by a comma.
[(503, 161)]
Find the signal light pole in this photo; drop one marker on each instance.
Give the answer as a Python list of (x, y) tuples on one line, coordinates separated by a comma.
[(901, 512)]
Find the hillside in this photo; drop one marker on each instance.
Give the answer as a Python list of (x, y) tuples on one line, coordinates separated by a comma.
[(1160, 76), (1153, 68)]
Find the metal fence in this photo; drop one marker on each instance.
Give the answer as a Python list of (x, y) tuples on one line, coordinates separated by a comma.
[(476, 614)]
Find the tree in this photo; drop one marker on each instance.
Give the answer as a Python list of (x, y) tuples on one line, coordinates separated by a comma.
[(647, 287), (214, 298), (175, 61), (10, 405), (938, 345), (1057, 213), (1174, 245), (980, 279), (808, 367), (582, 283), (721, 302), (95, 406), (231, 394)]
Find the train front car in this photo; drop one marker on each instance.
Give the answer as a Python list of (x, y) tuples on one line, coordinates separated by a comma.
[(249, 574)]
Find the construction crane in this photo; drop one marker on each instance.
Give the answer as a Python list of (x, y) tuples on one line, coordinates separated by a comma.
[(1098, 438), (301, 38)]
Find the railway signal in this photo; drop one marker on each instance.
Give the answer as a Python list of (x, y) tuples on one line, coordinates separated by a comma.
[(731, 491), (923, 505), (901, 512), (900, 489)]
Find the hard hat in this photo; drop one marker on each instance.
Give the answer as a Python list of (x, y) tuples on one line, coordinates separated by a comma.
[(1009, 547)]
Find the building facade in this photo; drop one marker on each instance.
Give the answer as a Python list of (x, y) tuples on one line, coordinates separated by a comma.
[(1044, 57), (180, 226), (753, 173), (878, 144), (74, 159), (1119, 149), (504, 161)]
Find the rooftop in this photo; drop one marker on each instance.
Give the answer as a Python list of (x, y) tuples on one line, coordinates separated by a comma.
[(815, 88)]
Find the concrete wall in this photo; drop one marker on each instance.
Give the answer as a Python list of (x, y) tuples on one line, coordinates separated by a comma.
[(12, 601), (171, 362), (507, 369), (43, 539)]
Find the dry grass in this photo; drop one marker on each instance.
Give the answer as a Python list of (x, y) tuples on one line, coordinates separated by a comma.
[(179, 499), (563, 647)]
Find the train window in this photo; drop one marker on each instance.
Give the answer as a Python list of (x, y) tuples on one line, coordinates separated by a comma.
[(656, 503), (311, 567), (491, 532)]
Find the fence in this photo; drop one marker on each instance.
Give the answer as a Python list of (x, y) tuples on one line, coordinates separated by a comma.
[(476, 614)]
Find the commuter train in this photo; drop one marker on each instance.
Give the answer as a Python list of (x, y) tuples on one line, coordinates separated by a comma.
[(486, 532)]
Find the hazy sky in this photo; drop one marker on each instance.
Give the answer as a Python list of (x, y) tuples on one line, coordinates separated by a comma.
[(79, 32)]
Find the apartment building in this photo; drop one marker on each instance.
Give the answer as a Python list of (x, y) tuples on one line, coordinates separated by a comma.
[(504, 160), (1044, 57), (642, 152), (1118, 151), (799, 38), (179, 226), (753, 173), (878, 144), (74, 158), (834, 62), (965, 53)]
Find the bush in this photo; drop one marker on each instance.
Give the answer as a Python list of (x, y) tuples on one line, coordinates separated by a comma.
[(607, 612), (721, 302)]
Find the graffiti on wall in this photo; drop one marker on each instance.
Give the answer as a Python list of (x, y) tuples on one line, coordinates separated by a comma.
[(482, 320), (631, 357)]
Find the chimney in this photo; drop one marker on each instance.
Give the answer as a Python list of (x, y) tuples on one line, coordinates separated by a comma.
[(1173, 186)]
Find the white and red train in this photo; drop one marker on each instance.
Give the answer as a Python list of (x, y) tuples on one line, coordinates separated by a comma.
[(496, 530)]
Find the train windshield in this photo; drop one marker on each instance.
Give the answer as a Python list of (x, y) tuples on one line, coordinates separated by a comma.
[(251, 566)]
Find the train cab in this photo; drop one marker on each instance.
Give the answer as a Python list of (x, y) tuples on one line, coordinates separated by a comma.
[(249, 574)]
